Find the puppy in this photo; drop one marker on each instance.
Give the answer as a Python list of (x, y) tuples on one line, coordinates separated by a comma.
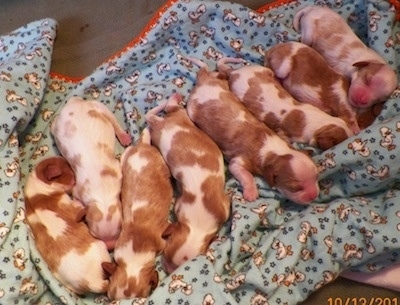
[(249, 145), (73, 255), (84, 132), (259, 90), (146, 197), (372, 80), (306, 75), (197, 164)]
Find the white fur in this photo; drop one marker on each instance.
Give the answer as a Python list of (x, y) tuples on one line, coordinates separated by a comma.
[(190, 177), (328, 33), (89, 135), (271, 101), (246, 151), (80, 272), (77, 268), (55, 225)]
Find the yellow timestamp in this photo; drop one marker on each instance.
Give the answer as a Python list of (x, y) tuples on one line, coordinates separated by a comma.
[(363, 301)]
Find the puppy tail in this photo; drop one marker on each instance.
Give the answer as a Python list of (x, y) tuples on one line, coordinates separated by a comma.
[(145, 136), (297, 18), (197, 62), (222, 64)]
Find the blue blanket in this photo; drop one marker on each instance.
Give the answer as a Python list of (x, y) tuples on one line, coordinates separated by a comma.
[(270, 251)]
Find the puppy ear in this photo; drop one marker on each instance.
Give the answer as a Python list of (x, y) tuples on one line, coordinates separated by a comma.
[(108, 268), (154, 280), (81, 215), (222, 75), (52, 171), (329, 136), (270, 176), (361, 64), (169, 230)]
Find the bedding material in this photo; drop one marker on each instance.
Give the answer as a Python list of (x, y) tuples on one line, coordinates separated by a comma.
[(270, 251)]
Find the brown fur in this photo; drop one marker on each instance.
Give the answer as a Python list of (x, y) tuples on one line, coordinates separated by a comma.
[(142, 226), (246, 136), (307, 68), (56, 173), (190, 146), (329, 136)]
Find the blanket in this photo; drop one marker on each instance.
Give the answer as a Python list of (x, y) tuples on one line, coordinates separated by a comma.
[(270, 251)]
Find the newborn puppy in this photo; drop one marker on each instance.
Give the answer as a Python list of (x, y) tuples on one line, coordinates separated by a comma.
[(73, 255), (84, 132), (306, 75), (259, 90), (146, 197), (249, 145), (197, 164), (372, 80)]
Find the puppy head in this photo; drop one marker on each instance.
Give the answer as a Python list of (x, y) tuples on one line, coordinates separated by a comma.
[(125, 286), (104, 224), (182, 244), (294, 175), (371, 83), (328, 136)]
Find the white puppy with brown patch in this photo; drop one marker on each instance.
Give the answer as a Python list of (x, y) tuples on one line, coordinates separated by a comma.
[(249, 145), (306, 75), (197, 164), (372, 80), (146, 197), (84, 132), (259, 90), (73, 255)]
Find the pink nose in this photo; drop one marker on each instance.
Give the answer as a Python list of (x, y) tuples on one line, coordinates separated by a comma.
[(310, 195), (360, 98), (110, 244)]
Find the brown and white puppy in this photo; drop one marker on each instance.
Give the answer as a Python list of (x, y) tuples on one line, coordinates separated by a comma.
[(146, 197), (305, 74), (84, 132), (372, 80), (259, 90), (249, 145), (73, 255), (197, 164)]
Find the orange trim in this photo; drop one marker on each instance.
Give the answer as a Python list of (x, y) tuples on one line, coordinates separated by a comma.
[(62, 77), (274, 4), (396, 5), (156, 17), (153, 22)]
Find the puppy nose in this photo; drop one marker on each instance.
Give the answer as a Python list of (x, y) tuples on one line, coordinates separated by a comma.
[(110, 244), (310, 195)]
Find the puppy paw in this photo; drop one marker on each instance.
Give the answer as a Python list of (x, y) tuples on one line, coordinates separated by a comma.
[(124, 138), (250, 193)]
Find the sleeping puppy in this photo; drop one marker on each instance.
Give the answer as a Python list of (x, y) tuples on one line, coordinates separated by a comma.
[(146, 197), (84, 132), (259, 90), (197, 164), (300, 69), (249, 145), (372, 80), (73, 255)]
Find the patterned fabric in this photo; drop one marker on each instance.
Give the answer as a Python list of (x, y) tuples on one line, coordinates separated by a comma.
[(271, 251)]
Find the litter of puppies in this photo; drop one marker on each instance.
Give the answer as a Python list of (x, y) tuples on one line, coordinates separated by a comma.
[(267, 109)]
